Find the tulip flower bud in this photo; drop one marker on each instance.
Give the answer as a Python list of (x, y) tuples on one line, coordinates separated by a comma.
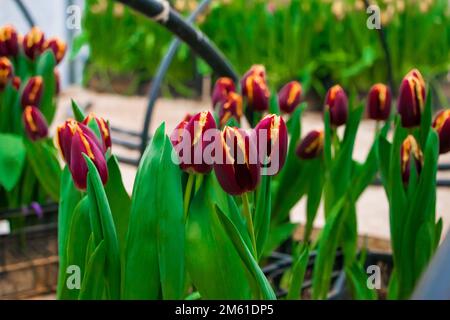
[(74, 140), (33, 43), (65, 134), (103, 128), (254, 88), (32, 92), (6, 72), (238, 171), (311, 146), (176, 137), (289, 96), (58, 48), (411, 100), (337, 103), (256, 93), (35, 124), (272, 142), (190, 142), (16, 82), (442, 125), (231, 107), (379, 102), (8, 41), (410, 148), (221, 90), (256, 69)]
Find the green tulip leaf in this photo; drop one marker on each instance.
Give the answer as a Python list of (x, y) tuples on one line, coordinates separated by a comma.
[(209, 249), (298, 274), (265, 291), (43, 158), (12, 160), (103, 228), (69, 199), (155, 251), (45, 68), (78, 113)]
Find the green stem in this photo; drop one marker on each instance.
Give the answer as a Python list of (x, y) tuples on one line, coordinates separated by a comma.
[(248, 217), (187, 194), (335, 141)]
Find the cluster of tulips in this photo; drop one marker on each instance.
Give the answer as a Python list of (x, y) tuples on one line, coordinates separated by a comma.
[(211, 200), (29, 85)]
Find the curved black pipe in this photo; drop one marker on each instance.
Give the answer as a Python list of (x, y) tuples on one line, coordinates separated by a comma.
[(160, 74), (387, 53), (198, 42), (26, 13)]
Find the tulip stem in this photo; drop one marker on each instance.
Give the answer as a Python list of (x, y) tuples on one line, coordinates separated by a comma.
[(187, 193), (248, 217)]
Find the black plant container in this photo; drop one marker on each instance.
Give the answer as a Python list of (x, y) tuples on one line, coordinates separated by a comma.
[(279, 263), (29, 253)]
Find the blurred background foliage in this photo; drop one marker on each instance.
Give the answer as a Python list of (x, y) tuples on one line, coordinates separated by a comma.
[(318, 42)]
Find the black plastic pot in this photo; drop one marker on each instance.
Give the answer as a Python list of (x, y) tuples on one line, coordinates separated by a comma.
[(282, 262)]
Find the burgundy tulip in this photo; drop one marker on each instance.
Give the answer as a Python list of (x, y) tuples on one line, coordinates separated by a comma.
[(74, 140), (6, 72), (256, 69), (35, 124), (57, 81), (254, 89), (337, 103), (190, 141), (57, 46), (272, 141), (9, 45), (32, 92), (230, 107), (379, 102), (410, 150), (311, 146), (411, 100), (289, 96), (33, 43), (222, 88), (103, 128), (442, 125), (16, 82), (238, 171)]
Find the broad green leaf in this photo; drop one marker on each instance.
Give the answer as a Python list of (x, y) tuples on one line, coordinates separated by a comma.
[(298, 274), (69, 199), (265, 290), (209, 249), (45, 68), (358, 282), (12, 160), (119, 201), (327, 247), (77, 244), (262, 214), (43, 158), (93, 285), (155, 251), (101, 212)]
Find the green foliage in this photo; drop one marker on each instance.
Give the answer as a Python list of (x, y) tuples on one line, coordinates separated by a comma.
[(306, 40)]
